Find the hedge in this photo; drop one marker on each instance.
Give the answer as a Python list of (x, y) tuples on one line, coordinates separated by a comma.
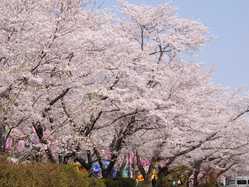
[(44, 175), (120, 182), (52, 175)]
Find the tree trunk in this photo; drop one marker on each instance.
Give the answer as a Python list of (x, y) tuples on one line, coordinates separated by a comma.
[(197, 166), (2, 139), (196, 172), (163, 172), (188, 179), (187, 183), (195, 179)]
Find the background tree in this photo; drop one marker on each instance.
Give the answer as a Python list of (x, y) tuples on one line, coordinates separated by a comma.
[(74, 79)]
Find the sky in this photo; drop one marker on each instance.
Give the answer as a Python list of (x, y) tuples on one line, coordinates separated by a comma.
[(228, 23)]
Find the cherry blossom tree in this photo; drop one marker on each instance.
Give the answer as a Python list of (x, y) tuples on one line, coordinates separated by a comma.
[(76, 79)]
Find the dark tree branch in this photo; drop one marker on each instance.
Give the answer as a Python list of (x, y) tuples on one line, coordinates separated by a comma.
[(160, 54), (226, 169), (65, 108), (240, 115), (39, 131), (64, 92), (142, 36), (41, 57), (127, 115), (70, 56), (36, 100), (90, 126), (192, 148), (114, 83)]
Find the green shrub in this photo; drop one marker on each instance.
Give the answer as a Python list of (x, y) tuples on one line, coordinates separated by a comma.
[(208, 185), (120, 182), (44, 175), (52, 175)]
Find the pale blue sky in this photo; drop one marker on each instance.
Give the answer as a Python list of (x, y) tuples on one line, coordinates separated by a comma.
[(228, 23)]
